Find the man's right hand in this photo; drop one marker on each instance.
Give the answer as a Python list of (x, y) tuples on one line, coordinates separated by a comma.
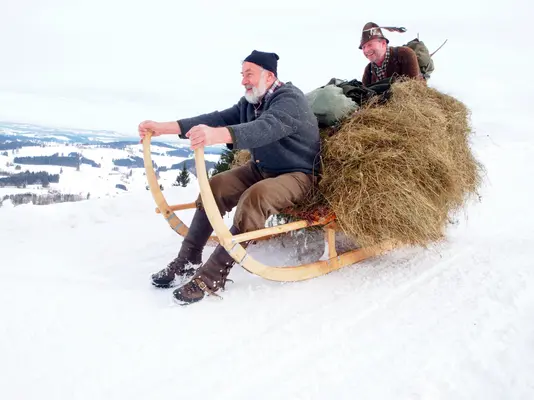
[(158, 128), (146, 126)]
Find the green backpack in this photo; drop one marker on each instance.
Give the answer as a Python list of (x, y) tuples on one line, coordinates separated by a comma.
[(426, 64), (330, 105)]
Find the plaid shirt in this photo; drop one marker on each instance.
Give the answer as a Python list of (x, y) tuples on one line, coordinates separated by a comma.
[(258, 107), (380, 72)]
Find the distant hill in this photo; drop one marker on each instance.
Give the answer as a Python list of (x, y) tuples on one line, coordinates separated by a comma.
[(132, 162), (59, 135), (189, 164), (13, 143), (183, 152), (187, 152), (122, 144), (17, 135), (71, 161)]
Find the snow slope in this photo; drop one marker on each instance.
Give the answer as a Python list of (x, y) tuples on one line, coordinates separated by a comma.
[(80, 319)]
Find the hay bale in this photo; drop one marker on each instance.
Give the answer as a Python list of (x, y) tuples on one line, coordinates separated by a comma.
[(398, 171), (241, 157)]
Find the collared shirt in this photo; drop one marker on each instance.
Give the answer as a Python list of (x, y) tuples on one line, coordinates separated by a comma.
[(258, 107), (380, 72)]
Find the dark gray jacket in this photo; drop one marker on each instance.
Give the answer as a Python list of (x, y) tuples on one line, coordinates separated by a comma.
[(283, 138)]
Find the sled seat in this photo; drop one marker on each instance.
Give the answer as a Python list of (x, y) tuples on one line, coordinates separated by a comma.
[(315, 217)]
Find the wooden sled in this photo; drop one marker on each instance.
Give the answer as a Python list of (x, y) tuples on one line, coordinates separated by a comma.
[(163, 207), (232, 244)]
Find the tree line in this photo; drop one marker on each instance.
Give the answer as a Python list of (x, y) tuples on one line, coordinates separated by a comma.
[(131, 162), (43, 199), (71, 161), (22, 179)]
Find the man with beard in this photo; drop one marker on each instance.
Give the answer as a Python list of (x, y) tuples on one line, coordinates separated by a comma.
[(386, 61), (275, 123)]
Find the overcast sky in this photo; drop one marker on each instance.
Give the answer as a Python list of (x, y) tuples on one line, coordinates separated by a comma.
[(109, 64)]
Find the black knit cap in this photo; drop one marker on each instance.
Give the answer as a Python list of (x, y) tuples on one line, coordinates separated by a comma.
[(269, 61)]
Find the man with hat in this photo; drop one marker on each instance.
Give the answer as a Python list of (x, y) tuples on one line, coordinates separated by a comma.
[(385, 61), (275, 123)]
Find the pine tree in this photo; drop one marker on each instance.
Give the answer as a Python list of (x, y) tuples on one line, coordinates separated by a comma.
[(183, 178), (225, 162)]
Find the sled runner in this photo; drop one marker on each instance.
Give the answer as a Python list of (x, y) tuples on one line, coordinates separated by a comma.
[(231, 243)]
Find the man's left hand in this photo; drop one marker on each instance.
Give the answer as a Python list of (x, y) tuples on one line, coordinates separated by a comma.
[(203, 135)]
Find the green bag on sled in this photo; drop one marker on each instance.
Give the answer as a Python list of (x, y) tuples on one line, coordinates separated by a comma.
[(330, 105)]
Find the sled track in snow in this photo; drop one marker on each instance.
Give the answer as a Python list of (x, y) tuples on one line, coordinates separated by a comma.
[(384, 265)]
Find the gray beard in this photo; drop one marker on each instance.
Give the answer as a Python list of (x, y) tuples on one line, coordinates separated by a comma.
[(257, 94)]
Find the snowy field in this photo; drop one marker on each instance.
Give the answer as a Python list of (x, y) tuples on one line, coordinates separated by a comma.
[(456, 321), (98, 182)]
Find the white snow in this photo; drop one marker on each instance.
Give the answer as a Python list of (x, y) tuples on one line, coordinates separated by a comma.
[(456, 321)]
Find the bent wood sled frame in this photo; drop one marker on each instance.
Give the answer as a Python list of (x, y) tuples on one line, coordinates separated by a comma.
[(231, 242)]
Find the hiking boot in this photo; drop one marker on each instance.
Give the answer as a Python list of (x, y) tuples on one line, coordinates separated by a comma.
[(209, 278), (181, 267), (191, 292), (190, 253)]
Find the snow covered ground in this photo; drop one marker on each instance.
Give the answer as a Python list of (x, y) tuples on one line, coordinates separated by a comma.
[(80, 319)]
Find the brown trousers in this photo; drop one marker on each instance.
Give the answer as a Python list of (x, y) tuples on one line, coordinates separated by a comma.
[(257, 194)]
